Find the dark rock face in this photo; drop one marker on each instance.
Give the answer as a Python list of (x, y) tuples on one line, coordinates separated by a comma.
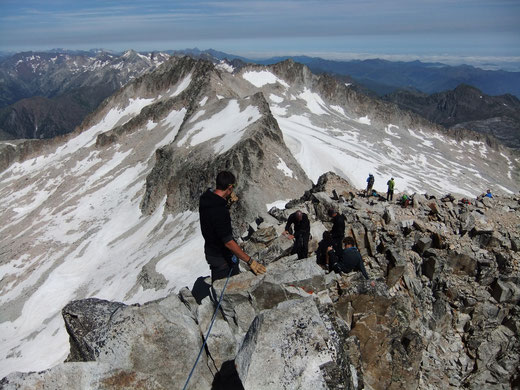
[(48, 94), (440, 310), (466, 107)]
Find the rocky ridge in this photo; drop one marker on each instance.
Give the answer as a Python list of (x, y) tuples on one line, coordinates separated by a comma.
[(442, 313), (466, 107)]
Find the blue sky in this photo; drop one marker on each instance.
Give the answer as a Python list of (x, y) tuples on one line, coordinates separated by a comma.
[(332, 29)]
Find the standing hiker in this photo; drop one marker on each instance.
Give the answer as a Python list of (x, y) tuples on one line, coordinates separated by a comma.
[(370, 184), (302, 232), (337, 232), (322, 256), (390, 193), (215, 223)]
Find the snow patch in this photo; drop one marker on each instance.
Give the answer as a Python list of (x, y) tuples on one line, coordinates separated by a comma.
[(364, 120), (338, 109), (182, 86), (388, 130), (227, 126), (275, 98), (261, 78), (282, 166), (314, 102), (197, 116), (223, 65), (280, 204)]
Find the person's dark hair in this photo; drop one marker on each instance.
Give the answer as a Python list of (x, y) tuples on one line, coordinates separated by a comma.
[(331, 212), (349, 241), (326, 235), (224, 179)]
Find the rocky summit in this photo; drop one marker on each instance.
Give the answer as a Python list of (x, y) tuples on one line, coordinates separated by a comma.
[(440, 310)]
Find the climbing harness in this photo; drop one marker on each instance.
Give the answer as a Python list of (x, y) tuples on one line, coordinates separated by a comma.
[(235, 260)]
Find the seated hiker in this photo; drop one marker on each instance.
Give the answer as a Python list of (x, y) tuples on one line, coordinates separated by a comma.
[(488, 194), (322, 256), (405, 201), (349, 260), (302, 232)]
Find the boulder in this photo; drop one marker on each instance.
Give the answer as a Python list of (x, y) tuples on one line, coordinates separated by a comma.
[(221, 344), (285, 347), (488, 202), (264, 235), (83, 320), (504, 291), (85, 375), (281, 246), (463, 264), (151, 346), (422, 244), (389, 215)]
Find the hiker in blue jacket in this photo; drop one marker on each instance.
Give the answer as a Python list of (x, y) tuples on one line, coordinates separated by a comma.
[(370, 184)]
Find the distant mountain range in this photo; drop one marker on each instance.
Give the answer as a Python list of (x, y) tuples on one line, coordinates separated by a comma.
[(43, 95), (384, 77), (466, 107)]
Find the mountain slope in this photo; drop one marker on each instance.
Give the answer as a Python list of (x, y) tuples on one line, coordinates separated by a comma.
[(73, 83), (72, 224), (110, 210), (467, 107)]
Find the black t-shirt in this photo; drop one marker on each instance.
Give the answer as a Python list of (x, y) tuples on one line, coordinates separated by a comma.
[(215, 223), (338, 227), (302, 227)]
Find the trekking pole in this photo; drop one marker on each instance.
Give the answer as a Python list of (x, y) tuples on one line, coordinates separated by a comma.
[(235, 260)]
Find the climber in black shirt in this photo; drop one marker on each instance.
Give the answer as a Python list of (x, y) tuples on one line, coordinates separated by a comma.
[(338, 229), (215, 223), (302, 232)]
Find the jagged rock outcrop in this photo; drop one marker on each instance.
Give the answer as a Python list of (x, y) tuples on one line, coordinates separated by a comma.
[(188, 166), (440, 310), (466, 107)]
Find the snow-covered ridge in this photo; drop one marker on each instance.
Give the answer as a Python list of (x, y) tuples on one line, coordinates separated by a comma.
[(225, 128), (76, 64)]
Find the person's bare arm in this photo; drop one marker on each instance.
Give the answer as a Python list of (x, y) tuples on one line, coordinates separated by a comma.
[(256, 267), (237, 251)]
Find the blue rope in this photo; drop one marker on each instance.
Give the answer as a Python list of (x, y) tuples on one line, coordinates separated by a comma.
[(210, 326)]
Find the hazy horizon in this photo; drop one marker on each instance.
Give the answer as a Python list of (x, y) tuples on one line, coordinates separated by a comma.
[(465, 31)]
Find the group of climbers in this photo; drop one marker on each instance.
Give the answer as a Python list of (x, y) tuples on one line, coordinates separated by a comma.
[(223, 253), (335, 251), (370, 185)]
